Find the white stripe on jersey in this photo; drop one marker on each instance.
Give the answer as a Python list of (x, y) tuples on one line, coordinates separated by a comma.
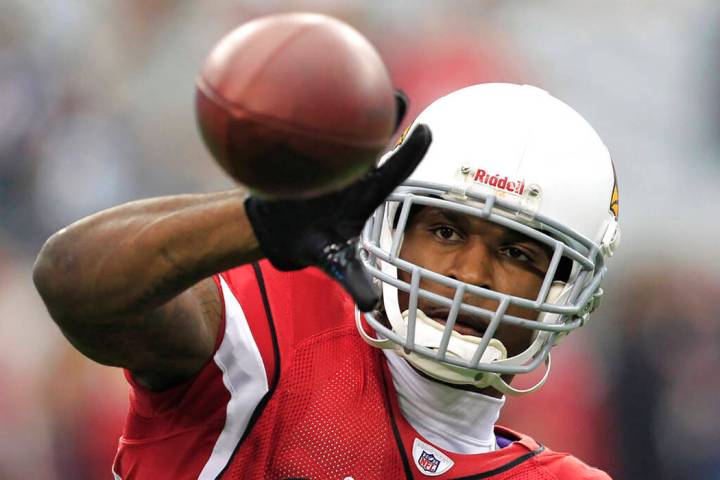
[(243, 375)]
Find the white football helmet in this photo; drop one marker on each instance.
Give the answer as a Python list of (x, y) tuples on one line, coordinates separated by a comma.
[(518, 157)]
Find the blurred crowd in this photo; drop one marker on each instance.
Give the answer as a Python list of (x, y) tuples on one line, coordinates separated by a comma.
[(96, 108)]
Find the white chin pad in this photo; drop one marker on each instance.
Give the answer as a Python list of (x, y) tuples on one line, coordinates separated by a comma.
[(428, 333)]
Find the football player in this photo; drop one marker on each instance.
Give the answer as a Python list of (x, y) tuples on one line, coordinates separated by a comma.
[(464, 258)]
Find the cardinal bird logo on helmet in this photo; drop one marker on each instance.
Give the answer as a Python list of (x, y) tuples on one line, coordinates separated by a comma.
[(614, 199), (402, 137)]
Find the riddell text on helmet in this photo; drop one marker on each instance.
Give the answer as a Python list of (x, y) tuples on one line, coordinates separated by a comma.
[(502, 183)]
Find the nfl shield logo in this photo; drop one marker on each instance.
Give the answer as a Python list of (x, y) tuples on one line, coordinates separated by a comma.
[(428, 462)]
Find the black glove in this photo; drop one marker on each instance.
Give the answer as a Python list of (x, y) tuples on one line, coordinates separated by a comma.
[(322, 231)]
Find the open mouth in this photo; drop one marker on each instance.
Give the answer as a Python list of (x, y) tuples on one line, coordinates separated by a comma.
[(464, 324)]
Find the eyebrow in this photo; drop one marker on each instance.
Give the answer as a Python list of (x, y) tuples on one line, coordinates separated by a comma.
[(452, 216), (508, 235)]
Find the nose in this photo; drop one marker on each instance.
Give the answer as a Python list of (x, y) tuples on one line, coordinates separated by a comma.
[(473, 264)]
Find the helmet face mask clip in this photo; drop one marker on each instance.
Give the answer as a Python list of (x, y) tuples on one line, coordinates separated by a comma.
[(510, 192)]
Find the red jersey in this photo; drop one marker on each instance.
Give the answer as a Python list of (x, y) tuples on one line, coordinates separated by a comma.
[(293, 392)]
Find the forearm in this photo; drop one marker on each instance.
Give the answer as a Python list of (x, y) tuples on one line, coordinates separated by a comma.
[(136, 256)]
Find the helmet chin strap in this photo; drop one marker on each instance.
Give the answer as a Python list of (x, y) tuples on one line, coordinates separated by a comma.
[(448, 373), (502, 386), (481, 379)]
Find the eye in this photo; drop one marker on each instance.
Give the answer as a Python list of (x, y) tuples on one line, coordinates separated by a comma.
[(446, 233), (516, 253)]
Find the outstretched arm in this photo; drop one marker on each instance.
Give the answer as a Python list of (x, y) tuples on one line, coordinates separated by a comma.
[(129, 286), (126, 285)]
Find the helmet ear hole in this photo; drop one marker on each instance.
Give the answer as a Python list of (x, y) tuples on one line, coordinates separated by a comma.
[(563, 271), (414, 210)]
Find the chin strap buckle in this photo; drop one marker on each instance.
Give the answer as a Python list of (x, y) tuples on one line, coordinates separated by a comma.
[(592, 304), (503, 387), (382, 343)]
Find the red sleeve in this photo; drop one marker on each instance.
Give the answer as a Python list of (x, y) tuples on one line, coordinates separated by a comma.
[(285, 308), (172, 433), (149, 403), (281, 308)]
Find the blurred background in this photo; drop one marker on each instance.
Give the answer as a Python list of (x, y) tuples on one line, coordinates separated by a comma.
[(96, 108)]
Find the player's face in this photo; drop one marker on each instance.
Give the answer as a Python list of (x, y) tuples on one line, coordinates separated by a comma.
[(480, 253)]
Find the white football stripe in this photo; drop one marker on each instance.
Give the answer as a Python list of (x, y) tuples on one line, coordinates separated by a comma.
[(244, 377)]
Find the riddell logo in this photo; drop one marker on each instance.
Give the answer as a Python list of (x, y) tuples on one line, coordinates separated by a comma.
[(516, 187)]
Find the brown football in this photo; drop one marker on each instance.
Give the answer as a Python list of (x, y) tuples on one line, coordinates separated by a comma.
[(294, 105)]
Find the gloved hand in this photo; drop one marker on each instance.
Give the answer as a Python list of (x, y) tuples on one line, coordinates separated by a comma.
[(322, 231)]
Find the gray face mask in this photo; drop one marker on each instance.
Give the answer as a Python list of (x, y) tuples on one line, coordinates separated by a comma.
[(438, 349)]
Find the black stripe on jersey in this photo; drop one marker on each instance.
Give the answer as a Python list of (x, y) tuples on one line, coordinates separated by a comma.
[(271, 324), (505, 467), (396, 432), (276, 377)]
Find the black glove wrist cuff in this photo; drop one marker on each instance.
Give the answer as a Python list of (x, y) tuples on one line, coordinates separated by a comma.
[(257, 211)]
